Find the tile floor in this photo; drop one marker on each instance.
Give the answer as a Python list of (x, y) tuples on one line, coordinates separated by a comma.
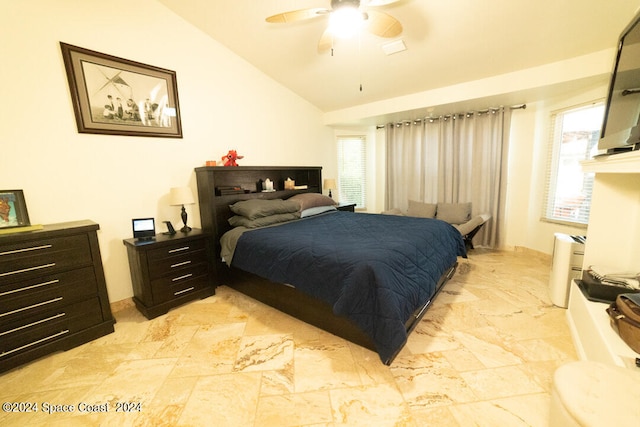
[(483, 355)]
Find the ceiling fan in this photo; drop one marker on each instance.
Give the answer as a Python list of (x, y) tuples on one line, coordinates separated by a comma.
[(345, 17)]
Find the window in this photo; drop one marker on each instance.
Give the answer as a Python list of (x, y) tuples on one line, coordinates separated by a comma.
[(352, 170), (574, 138)]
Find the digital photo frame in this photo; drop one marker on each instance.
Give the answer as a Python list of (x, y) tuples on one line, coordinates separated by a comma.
[(144, 228)]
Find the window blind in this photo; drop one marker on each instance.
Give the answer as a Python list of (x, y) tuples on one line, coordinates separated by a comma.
[(352, 170), (573, 137)]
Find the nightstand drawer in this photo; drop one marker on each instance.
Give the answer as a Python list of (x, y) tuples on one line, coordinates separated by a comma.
[(25, 260), (32, 331), (177, 249), (181, 283), (170, 265)]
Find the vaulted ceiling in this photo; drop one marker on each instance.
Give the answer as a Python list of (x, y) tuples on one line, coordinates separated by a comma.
[(447, 42)]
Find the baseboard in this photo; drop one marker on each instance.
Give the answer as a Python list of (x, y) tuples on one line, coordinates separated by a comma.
[(121, 305), (532, 252)]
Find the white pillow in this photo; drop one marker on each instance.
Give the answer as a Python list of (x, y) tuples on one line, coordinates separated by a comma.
[(316, 210)]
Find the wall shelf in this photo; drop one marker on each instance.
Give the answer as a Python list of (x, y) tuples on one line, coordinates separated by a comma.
[(592, 333), (617, 163)]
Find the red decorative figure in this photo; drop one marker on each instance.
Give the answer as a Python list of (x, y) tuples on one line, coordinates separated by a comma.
[(230, 158)]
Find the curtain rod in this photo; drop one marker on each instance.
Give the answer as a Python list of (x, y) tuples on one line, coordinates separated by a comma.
[(455, 115)]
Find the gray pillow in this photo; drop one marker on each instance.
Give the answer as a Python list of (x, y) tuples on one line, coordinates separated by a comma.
[(237, 220), (422, 210), (454, 213), (311, 200), (258, 208)]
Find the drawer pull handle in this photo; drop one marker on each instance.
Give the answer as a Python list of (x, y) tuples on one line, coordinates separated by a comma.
[(183, 291), (50, 337), (578, 252), (184, 248), (34, 248), (180, 264), (184, 276), (26, 288), (31, 306), (24, 270), (48, 319)]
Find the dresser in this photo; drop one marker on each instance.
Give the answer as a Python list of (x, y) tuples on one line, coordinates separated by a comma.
[(53, 294), (170, 270)]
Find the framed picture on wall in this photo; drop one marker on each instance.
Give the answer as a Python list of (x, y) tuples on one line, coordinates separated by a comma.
[(116, 96), (13, 209)]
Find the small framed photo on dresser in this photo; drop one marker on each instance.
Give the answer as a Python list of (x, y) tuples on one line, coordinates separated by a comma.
[(13, 209)]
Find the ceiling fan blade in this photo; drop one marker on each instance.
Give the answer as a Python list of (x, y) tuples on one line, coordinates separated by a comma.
[(380, 2), (297, 15), (326, 42), (382, 24)]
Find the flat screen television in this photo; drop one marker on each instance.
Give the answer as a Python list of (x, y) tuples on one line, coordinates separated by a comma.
[(621, 125)]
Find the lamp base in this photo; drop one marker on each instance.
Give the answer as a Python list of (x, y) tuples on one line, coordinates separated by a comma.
[(183, 214)]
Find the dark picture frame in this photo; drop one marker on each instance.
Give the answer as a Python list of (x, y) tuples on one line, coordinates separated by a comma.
[(13, 209), (117, 96)]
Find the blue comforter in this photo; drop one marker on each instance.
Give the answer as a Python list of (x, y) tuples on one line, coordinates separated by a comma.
[(374, 269)]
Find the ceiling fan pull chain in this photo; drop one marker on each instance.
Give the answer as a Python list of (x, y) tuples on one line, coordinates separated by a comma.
[(360, 59)]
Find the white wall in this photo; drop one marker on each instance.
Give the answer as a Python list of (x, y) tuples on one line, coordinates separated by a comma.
[(528, 147), (225, 103)]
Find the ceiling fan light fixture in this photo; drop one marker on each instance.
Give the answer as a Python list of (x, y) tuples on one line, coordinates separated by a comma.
[(346, 22)]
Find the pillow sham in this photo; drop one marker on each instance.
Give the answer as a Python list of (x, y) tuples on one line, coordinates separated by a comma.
[(258, 208), (241, 221), (454, 213), (312, 200), (421, 210), (317, 210)]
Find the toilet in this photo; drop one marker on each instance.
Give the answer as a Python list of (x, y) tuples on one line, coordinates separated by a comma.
[(593, 394)]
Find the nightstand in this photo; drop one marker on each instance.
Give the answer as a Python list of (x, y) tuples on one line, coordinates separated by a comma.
[(170, 270), (346, 207)]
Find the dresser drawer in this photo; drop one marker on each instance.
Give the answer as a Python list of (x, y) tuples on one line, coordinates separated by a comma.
[(176, 249), (31, 259), (37, 295), (182, 282), (175, 263), (31, 331)]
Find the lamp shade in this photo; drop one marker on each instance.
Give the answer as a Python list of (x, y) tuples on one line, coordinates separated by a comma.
[(329, 184), (181, 196)]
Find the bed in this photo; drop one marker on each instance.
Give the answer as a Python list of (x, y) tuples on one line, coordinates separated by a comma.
[(328, 269)]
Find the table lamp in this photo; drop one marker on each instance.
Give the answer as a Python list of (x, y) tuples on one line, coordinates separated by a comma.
[(329, 184), (182, 196)]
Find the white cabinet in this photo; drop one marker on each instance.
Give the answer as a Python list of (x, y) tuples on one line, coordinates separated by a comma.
[(613, 240), (567, 261)]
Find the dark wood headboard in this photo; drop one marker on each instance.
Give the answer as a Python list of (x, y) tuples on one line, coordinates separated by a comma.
[(214, 206)]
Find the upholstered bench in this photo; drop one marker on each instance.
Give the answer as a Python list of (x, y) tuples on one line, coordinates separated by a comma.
[(457, 214), (593, 394)]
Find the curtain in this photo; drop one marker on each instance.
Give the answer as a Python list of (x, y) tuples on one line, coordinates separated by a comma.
[(451, 159)]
